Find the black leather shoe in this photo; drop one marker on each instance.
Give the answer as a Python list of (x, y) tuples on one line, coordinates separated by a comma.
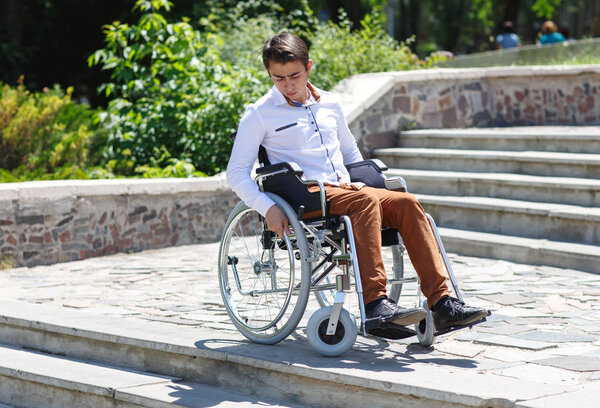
[(451, 313), (390, 312)]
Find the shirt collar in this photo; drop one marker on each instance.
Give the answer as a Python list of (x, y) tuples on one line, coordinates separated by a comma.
[(281, 99)]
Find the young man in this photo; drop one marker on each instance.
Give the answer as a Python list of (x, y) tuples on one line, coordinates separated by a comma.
[(297, 122)]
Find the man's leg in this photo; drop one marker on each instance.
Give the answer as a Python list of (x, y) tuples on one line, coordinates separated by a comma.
[(403, 212), (364, 210)]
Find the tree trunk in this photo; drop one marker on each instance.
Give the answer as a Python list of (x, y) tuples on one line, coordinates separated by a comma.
[(511, 11), (11, 38), (408, 20), (354, 9), (332, 7)]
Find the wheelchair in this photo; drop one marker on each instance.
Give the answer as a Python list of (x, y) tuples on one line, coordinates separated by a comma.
[(265, 281)]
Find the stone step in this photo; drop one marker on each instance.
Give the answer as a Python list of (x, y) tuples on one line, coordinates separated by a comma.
[(482, 161), (289, 371), (522, 250), (557, 222), (35, 379), (572, 139), (560, 190)]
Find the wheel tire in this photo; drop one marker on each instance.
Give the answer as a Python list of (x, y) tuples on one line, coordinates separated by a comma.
[(241, 307), (340, 342), (425, 328)]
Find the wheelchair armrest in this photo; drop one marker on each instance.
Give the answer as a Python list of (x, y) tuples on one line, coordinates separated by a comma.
[(395, 183), (371, 171), (374, 163), (368, 172), (277, 168)]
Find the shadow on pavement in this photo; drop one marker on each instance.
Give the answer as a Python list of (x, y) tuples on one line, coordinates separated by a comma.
[(364, 355)]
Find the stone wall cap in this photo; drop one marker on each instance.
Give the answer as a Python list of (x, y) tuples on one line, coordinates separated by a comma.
[(57, 189), (465, 73), (359, 92)]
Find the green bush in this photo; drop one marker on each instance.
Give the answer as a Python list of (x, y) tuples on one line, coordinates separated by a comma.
[(339, 52), (44, 135), (172, 92)]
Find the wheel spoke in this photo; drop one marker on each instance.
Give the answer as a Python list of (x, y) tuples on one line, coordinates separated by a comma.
[(267, 303)]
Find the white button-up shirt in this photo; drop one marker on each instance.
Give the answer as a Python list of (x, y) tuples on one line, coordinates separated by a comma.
[(314, 135)]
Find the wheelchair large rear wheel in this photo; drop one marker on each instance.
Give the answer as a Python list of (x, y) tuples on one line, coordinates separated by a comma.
[(263, 282), (394, 266)]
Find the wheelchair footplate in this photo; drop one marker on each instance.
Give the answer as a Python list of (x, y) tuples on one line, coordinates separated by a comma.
[(381, 327), (460, 326)]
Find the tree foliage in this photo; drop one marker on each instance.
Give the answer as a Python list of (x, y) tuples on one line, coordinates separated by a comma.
[(545, 8), (178, 93), (466, 26), (171, 92)]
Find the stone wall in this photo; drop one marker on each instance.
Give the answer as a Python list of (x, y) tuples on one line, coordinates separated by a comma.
[(56, 221), (381, 105)]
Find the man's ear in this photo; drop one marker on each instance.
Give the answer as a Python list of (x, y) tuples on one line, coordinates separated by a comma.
[(309, 66)]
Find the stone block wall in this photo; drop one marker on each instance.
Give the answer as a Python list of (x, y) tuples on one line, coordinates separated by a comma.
[(57, 221), (478, 97)]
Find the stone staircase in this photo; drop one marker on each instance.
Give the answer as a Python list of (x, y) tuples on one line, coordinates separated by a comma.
[(524, 194), (58, 358)]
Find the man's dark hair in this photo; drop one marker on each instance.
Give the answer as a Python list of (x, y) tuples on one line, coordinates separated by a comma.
[(283, 48)]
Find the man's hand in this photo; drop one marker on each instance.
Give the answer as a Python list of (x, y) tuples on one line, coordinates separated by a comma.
[(277, 221)]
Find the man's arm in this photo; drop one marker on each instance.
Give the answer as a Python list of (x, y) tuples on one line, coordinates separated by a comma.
[(250, 135), (348, 145)]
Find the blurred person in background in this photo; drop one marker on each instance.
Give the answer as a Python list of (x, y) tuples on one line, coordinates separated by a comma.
[(507, 38), (550, 34)]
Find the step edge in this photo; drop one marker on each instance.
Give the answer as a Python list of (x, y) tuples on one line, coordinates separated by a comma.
[(574, 248), (59, 380), (505, 155), (504, 178), (567, 211)]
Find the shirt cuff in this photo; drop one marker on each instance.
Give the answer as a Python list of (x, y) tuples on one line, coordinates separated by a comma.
[(263, 203)]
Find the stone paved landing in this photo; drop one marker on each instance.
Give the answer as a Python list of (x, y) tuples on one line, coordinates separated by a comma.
[(545, 326)]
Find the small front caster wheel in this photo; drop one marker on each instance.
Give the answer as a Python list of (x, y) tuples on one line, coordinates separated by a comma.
[(338, 343), (425, 328)]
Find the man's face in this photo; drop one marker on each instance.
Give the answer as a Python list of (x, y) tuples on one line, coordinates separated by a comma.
[(291, 78)]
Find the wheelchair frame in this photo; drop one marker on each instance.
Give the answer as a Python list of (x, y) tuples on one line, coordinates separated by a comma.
[(331, 330)]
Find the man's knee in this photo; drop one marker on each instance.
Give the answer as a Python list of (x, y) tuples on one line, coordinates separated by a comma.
[(366, 198), (404, 201), (367, 201)]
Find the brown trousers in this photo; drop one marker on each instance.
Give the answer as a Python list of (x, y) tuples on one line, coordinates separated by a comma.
[(370, 209)]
